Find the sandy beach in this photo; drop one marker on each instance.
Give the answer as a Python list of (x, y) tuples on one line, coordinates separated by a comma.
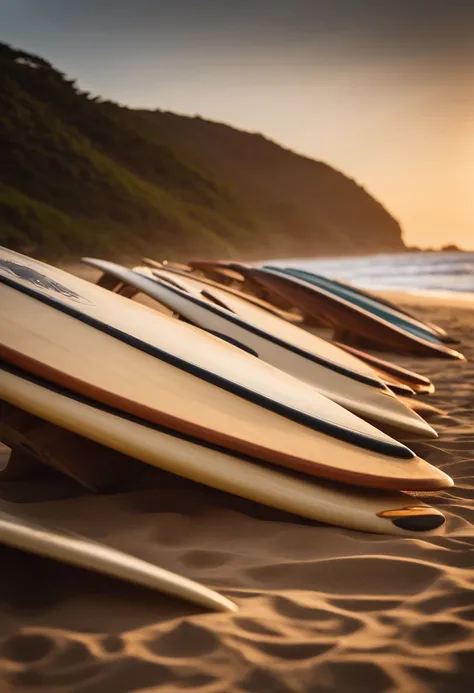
[(321, 608)]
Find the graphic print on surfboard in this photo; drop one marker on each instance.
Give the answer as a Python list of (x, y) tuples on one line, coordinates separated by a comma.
[(40, 281), (202, 355), (350, 506)]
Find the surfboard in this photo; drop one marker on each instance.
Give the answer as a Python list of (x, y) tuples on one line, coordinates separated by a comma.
[(218, 269), (171, 267), (177, 266), (360, 293), (364, 509), (93, 364), (384, 301), (392, 375), (401, 381), (21, 532), (347, 317), (423, 408), (396, 374), (419, 383), (197, 286), (370, 304), (173, 343), (335, 374)]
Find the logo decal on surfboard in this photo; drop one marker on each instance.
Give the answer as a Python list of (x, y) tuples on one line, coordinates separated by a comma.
[(41, 281)]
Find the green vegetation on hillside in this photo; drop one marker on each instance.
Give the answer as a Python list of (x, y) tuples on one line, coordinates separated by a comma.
[(79, 175)]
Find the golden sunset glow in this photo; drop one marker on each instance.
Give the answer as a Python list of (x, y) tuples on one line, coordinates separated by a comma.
[(381, 91)]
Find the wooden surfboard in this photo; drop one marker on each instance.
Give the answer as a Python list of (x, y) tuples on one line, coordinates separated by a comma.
[(222, 271), (365, 509), (347, 317), (336, 374), (197, 285), (170, 342), (401, 381), (23, 533), (219, 267), (218, 271), (396, 384), (392, 375), (358, 292), (176, 266), (419, 383), (308, 341), (368, 303), (93, 364)]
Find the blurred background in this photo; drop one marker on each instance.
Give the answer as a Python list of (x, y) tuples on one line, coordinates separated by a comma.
[(258, 129)]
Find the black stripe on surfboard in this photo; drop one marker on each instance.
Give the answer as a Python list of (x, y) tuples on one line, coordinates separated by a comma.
[(361, 440), (438, 331), (407, 323), (126, 416), (237, 320), (231, 316), (411, 523), (441, 348)]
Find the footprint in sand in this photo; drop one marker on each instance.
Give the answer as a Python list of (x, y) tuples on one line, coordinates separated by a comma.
[(440, 632), (59, 662), (206, 560), (186, 640)]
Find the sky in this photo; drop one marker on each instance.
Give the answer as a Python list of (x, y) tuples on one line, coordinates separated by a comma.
[(383, 90)]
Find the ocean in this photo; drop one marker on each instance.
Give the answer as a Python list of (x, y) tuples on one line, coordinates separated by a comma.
[(422, 272)]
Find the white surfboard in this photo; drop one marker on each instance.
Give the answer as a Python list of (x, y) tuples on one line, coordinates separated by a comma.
[(335, 373), (389, 374), (364, 509), (29, 535), (179, 270)]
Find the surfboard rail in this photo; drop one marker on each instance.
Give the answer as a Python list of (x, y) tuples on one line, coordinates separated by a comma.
[(347, 317)]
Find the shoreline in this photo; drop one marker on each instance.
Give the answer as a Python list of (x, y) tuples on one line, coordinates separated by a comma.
[(427, 297)]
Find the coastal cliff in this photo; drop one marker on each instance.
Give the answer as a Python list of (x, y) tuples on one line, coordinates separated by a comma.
[(81, 175)]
